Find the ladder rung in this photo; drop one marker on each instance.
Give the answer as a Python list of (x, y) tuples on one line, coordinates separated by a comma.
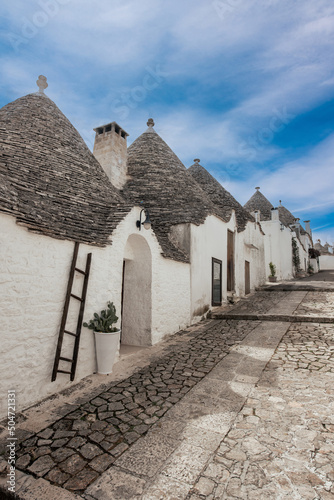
[(62, 329), (70, 333), (76, 297), (80, 271)]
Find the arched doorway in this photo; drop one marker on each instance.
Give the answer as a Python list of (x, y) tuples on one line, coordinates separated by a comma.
[(137, 293)]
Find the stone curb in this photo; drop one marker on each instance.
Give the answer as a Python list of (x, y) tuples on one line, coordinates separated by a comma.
[(273, 317), (294, 288)]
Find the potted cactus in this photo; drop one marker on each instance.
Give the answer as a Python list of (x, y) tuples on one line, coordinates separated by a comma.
[(107, 338), (272, 277)]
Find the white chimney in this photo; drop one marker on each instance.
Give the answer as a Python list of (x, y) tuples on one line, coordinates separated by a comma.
[(110, 150), (296, 226), (274, 214), (308, 227), (256, 215)]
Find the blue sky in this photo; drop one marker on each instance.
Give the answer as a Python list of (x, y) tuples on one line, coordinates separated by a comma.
[(247, 86)]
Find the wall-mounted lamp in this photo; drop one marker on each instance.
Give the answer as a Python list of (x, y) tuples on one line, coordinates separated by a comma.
[(146, 223), (282, 227)]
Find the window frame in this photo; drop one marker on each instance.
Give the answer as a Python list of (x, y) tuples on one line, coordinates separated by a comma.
[(216, 261)]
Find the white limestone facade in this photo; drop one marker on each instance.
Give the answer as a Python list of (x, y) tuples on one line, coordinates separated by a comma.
[(249, 249), (207, 241), (210, 241), (33, 281), (303, 252), (326, 262), (278, 249)]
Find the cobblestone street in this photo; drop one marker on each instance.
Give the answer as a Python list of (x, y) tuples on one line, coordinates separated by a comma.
[(282, 442), (230, 408)]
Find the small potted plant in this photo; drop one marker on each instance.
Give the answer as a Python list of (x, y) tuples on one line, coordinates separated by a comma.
[(310, 269), (107, 338), (272, 277)]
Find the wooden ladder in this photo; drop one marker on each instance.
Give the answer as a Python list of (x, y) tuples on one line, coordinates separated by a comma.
[(62, 330)]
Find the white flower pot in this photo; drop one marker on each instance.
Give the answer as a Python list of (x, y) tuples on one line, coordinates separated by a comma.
[(106, 346)]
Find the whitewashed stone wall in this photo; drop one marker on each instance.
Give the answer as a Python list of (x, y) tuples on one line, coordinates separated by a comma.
[(208, 241), (33, 280), (171, 298), (314, 263), (278, 249), (250, 247), (326, 262), (303, 254)]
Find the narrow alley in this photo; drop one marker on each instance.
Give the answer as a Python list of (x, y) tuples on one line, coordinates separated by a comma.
[(239, 406)]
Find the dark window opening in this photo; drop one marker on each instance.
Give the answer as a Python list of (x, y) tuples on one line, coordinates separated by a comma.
[(216, 282), (230, 261), (247, 277), (108, 128)]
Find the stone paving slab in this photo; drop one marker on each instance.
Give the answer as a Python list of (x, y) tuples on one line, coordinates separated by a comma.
[(76, 449), (281, 445), (288, 304), (292, 307), (256, 303), (195, 426), (233, 409), (321, 281), (317, 304), (28, 488)]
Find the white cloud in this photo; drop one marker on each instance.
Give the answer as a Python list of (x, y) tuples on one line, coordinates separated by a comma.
[(304, 185), (323, 235), (254, 56)]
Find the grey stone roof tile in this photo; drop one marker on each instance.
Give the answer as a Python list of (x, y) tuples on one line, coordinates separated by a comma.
[(51, 182), (224, 202), (285, 216), (259, 202)]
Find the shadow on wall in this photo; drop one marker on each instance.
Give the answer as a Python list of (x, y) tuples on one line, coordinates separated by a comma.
[(137, 293)]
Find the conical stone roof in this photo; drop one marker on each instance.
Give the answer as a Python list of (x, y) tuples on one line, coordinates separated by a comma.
[(259, 202), (285, 216), (50, 181), (222, 199), (161, 183)]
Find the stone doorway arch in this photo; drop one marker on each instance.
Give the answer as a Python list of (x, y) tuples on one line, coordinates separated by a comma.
[(137, 293)]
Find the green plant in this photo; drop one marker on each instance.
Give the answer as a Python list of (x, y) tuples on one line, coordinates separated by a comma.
[(310, 269), (295, 255), (103, 322), (272, 269)]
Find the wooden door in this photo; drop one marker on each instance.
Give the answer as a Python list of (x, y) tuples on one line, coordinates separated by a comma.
[(247, 277), (230, 261)]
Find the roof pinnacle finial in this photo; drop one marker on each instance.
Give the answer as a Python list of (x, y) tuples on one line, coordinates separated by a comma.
[(257, 188), (197, 160), (150, 122), (42, 83), (280, 203)]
